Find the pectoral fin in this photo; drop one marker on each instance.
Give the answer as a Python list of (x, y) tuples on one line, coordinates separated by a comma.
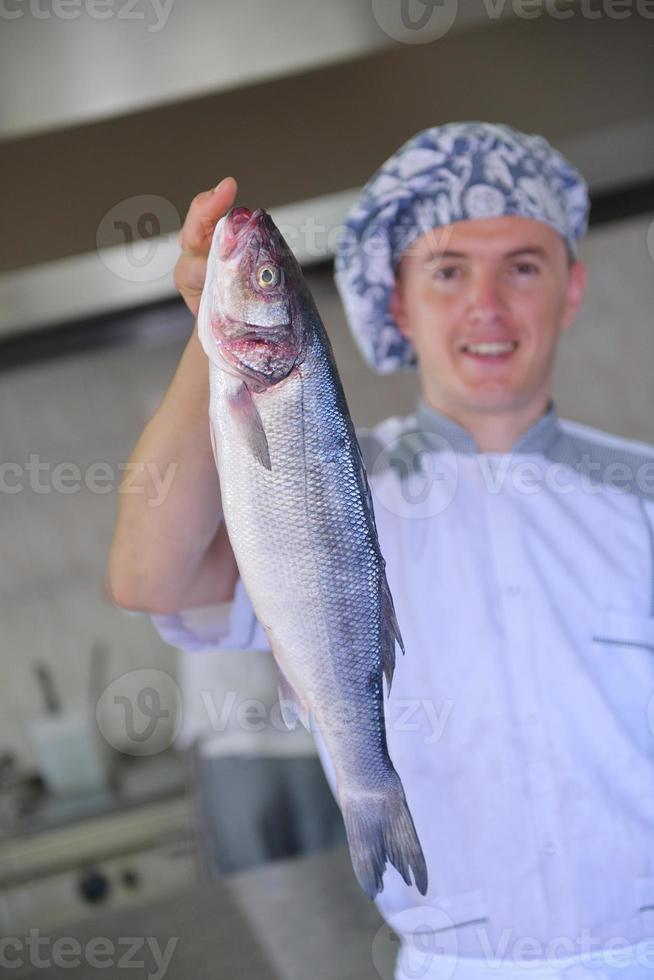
[(249, 421), (292, 706)]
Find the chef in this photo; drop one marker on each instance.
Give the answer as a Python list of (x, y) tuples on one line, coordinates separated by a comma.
[(519, 550)]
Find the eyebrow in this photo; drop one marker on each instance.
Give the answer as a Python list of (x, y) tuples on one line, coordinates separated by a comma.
[(524, 250)]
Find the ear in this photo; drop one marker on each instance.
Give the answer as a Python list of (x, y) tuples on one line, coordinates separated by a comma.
[(396, 307), (575, 292)]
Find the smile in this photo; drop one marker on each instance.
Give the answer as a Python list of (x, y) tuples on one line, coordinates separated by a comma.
[(491, 348)]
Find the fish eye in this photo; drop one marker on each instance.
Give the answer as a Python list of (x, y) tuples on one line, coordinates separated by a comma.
[(268, 275)]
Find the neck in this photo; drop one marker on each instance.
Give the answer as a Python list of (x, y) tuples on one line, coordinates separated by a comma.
[(494, 432)]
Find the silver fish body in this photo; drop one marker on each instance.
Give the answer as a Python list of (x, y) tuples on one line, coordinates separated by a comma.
[(300, 519)]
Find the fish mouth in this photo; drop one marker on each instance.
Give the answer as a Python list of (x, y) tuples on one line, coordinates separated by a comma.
[(237, 217), (237, 227)]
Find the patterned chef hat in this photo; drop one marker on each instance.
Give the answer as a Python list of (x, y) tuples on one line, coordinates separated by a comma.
[(445, 174)]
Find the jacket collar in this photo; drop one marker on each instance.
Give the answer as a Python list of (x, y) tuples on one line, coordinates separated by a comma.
[(535, 440)]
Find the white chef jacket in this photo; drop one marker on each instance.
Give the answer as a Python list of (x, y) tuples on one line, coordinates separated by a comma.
[(521, 719)]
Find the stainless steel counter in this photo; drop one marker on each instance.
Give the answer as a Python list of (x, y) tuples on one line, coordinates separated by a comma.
[(303, 919)]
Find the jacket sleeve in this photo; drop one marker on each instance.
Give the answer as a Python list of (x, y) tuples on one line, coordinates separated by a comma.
[(225, 626)]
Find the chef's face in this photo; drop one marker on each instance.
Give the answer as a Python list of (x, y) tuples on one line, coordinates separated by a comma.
[(504, 282)]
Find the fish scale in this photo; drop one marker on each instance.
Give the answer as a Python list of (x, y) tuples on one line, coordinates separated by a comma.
[(300, 519)]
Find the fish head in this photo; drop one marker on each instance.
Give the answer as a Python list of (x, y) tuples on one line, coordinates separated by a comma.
[(249, 320)]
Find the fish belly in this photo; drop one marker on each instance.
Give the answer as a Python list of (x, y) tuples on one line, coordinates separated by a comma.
[(299, 564)]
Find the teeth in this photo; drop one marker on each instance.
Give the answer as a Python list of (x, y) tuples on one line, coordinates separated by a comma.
[(500, 348)]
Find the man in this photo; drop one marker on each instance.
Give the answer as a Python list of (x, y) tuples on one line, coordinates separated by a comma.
[(522, 574)]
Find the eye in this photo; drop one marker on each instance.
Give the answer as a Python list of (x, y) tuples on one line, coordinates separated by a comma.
[(446, 273), (268, 275)]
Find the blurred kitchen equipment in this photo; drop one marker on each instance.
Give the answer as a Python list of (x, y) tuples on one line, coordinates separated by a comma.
[(44, 678), (116, 859), (20, 792), (69, 754)]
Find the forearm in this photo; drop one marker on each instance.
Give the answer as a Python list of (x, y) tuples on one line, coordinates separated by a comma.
[(166, 552)]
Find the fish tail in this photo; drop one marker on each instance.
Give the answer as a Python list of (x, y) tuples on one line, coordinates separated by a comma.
[(380, 828)]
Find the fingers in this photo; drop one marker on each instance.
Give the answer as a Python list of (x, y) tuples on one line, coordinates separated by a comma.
[(204, 213), (195, 239), (190, 273)]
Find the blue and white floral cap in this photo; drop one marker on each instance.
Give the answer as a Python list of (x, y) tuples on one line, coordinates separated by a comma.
[(441, 175)]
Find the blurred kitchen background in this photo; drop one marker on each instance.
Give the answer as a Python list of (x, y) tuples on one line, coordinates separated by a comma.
[(112, 117)]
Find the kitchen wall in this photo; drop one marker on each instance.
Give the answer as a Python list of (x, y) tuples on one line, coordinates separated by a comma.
[(90, 408), (584, 82), (82, 410)]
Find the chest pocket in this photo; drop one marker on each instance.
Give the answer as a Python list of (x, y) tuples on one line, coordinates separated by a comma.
[(439, 929), (623, 661)]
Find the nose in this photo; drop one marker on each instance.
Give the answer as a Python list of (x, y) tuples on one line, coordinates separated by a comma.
[(487, 304)]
